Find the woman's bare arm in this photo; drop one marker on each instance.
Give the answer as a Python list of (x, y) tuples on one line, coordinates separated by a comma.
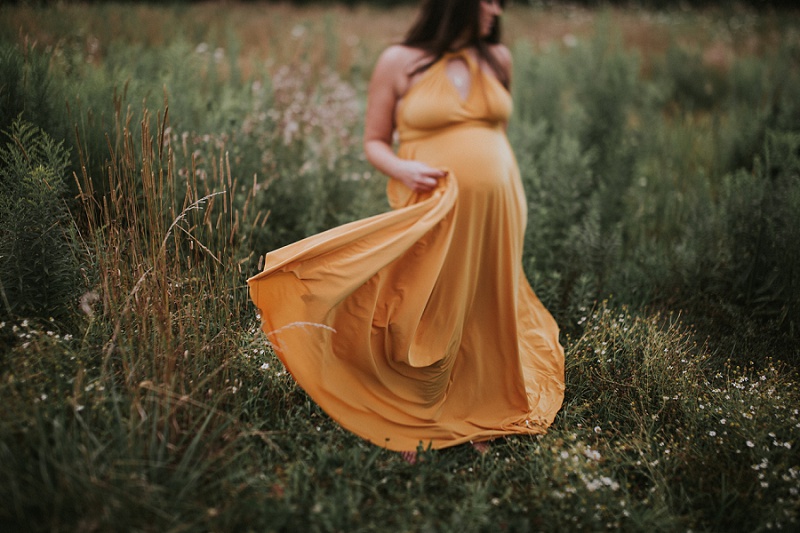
[(388, 84)]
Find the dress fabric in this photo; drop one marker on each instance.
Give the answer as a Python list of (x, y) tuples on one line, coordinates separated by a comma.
[(418, 326)]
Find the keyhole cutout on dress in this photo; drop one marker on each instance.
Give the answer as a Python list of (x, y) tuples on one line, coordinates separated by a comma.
[(459, 75)]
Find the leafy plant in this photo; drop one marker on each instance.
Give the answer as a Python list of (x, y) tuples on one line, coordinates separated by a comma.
[(39, 267)]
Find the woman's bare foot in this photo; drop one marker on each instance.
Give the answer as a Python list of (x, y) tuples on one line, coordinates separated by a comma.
[(481, 447), (409, 457)]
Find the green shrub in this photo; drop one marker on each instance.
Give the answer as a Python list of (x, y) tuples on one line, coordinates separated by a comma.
[(607, 87), (694, 85), (558, 181), (27, 90), (577, 155), (39, 268), (762, 210)]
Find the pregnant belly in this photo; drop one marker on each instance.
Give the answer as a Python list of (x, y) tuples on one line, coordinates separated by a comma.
[(480, 157)]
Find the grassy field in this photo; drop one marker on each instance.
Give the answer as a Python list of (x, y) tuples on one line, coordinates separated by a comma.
[(152, 155)]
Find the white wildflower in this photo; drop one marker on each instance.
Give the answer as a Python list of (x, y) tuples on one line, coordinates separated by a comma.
[(591, 454)]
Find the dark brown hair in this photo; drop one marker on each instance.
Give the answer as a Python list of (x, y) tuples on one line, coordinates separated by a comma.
[(441, 24)]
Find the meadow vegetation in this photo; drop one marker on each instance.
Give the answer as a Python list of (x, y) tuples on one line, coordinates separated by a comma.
[(151, 155)]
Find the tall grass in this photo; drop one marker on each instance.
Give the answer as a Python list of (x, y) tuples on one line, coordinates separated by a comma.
[(152, 401), (138, 392)]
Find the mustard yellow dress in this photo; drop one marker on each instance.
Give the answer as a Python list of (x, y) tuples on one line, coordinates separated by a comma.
[(418, 326)]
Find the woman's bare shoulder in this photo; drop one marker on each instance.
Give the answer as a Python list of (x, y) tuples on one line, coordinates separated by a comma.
[(400, 58), (395, 67)]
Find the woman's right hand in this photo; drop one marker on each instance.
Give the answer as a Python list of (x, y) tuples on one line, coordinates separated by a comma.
[(389, 82), (418, 176)]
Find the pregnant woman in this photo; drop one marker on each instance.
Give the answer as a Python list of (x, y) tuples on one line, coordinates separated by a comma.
[(417, 327)]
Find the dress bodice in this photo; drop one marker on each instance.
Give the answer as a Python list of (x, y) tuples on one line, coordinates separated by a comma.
[(434, 103)]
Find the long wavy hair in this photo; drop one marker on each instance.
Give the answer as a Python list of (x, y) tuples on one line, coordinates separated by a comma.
[(442, 24)]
